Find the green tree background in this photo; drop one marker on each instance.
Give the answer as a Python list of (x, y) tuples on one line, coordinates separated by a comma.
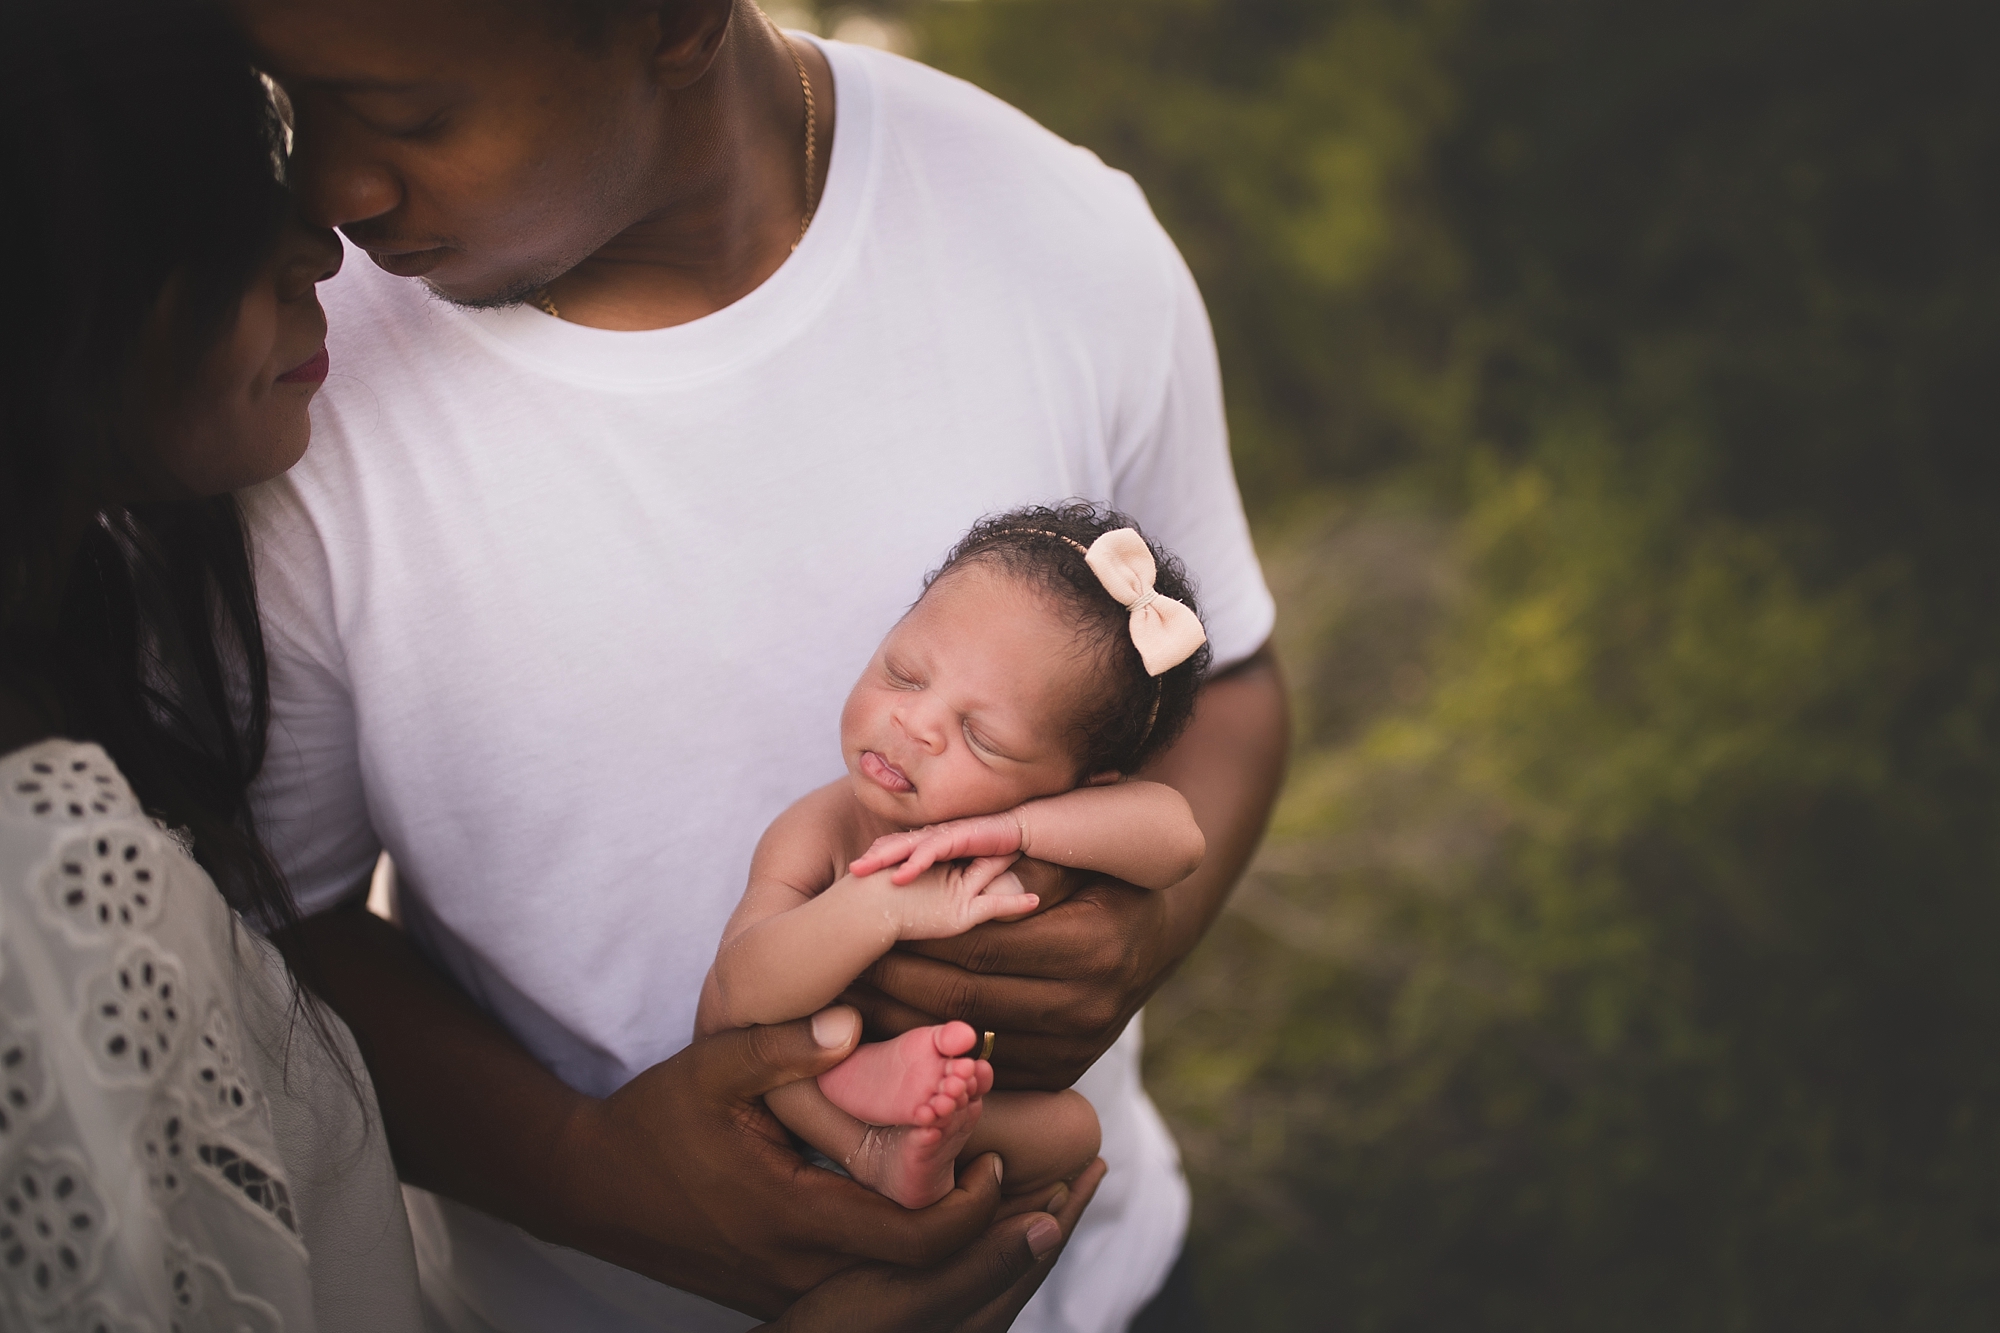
[(1613, 387)]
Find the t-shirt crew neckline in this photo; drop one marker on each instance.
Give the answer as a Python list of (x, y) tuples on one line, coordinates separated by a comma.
[(753, 327)]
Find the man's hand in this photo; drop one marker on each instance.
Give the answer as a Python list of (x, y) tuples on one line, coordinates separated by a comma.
[(1060, 986), (682, 1174), (978, 1291)]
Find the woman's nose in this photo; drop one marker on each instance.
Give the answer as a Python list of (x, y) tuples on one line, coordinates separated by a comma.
[(312, 255)]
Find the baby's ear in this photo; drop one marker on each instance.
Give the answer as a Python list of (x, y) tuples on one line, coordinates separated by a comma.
[(1104, 779)]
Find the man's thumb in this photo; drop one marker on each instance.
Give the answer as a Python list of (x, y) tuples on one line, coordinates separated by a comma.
[(787, 1052)]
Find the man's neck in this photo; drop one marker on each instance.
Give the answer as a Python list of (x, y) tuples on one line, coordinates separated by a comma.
[(734, 212)]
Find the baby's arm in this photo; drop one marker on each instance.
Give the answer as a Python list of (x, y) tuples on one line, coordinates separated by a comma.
[(800, 935), (1141, 832)]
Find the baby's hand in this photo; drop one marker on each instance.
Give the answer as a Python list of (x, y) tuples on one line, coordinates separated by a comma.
[(920, 849), (951, 899)]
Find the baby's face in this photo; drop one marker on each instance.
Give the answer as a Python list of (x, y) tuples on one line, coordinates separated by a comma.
[(965, 708)]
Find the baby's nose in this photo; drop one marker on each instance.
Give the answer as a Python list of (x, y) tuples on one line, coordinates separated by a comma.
[(923, 724)]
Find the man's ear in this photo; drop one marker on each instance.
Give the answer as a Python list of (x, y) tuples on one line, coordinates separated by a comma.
[(687, 36), (1104, 779)]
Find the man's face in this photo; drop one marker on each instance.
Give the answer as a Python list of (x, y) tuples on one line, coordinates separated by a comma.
[(461, 141)]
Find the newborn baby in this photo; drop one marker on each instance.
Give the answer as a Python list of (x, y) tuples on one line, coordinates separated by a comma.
[(1052, 655)]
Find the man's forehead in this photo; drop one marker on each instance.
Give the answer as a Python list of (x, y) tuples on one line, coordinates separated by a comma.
[(380, 45)]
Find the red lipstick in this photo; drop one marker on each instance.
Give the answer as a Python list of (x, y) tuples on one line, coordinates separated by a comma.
[(311, 372)]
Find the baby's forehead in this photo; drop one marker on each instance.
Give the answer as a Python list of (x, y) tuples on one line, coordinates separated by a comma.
[(1058, 657)]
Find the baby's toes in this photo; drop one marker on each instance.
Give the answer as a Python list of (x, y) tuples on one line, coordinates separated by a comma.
[(927, 1114), (942, 1106), (955, 1088), (961, 1068)]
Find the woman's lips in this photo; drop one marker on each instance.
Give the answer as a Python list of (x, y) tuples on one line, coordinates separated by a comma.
[(310, 372), (886, 775)]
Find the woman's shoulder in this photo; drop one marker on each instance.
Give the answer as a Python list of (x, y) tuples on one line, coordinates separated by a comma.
[(59, 782), (149, 1081), (77, 853)]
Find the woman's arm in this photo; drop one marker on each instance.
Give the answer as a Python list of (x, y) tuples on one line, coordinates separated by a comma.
[(1140, 832)]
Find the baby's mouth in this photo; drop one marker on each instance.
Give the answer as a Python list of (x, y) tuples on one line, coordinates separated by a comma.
[(885, 774)]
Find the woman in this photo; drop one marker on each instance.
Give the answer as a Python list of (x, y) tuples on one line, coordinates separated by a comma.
[(185, 1138), (181, 1131)]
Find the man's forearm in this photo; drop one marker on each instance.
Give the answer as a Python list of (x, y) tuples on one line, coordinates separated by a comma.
[(680, 1175), (1229, 765), (468, 1111)]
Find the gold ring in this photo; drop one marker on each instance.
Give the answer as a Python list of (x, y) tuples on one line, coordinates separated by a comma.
[(986, 1048)]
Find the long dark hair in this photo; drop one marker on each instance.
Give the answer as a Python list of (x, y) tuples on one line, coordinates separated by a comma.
[(143, 159)]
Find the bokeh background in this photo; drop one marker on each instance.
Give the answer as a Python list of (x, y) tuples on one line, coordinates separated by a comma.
[(1613, 388)]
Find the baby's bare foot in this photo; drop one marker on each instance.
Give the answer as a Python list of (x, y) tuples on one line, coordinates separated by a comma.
[(915, 1164), (915, 1079)]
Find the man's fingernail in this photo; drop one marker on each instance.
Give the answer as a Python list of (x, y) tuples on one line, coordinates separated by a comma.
[(999, 1170), (833, 1028), (1044, 1236), (1057, 1200)]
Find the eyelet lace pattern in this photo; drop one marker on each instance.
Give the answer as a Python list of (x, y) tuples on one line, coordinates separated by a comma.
[(65, 783), (86, 962), (204, 1298), (52, 1227), (100, 1314), (134, 1016), (104, 884), (24, 1080)]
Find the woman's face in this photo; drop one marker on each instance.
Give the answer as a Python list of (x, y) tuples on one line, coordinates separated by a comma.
[(240, 417)]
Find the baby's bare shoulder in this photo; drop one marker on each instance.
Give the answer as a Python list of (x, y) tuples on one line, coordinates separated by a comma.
[(810, 844)]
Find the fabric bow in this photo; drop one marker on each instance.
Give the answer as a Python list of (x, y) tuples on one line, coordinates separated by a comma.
[(1165, 632)]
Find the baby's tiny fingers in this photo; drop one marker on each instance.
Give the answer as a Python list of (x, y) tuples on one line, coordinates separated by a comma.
[(919, 860)]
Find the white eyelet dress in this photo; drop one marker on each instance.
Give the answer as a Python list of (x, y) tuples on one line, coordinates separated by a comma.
[(174, 1156)]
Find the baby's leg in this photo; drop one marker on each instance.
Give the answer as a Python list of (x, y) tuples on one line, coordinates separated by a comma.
[(1043, 1137), (912, 1164), (913, 1079)]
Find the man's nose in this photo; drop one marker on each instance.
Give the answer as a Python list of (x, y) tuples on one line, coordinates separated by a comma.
[(335, 184)]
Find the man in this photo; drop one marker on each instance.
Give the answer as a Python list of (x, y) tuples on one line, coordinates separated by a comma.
[(565, 598)]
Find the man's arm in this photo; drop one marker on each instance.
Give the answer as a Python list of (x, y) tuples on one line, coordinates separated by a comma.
[(1060, 986), (682, 1174)]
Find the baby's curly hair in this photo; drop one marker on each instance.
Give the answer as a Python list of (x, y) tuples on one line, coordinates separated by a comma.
[(1134, 716)]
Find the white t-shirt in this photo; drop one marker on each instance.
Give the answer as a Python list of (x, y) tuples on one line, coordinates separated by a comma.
[(173, 1152), (564, 617)]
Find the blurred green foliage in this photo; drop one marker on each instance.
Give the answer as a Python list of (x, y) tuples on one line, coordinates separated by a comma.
[(1614, 387)]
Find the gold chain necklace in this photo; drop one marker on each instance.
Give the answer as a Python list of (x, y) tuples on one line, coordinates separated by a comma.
[(548, 305)]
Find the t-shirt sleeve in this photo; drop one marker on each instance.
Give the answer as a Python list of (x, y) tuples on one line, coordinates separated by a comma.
[(309, 799), (1174, 475)]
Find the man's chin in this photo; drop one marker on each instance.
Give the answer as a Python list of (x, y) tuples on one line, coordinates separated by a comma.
[(500, 298), (444, 271)]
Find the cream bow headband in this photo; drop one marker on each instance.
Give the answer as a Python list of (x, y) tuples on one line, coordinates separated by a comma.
[(1164, 631)]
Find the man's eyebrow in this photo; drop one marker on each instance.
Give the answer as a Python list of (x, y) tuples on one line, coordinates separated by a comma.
[(368, 85)]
